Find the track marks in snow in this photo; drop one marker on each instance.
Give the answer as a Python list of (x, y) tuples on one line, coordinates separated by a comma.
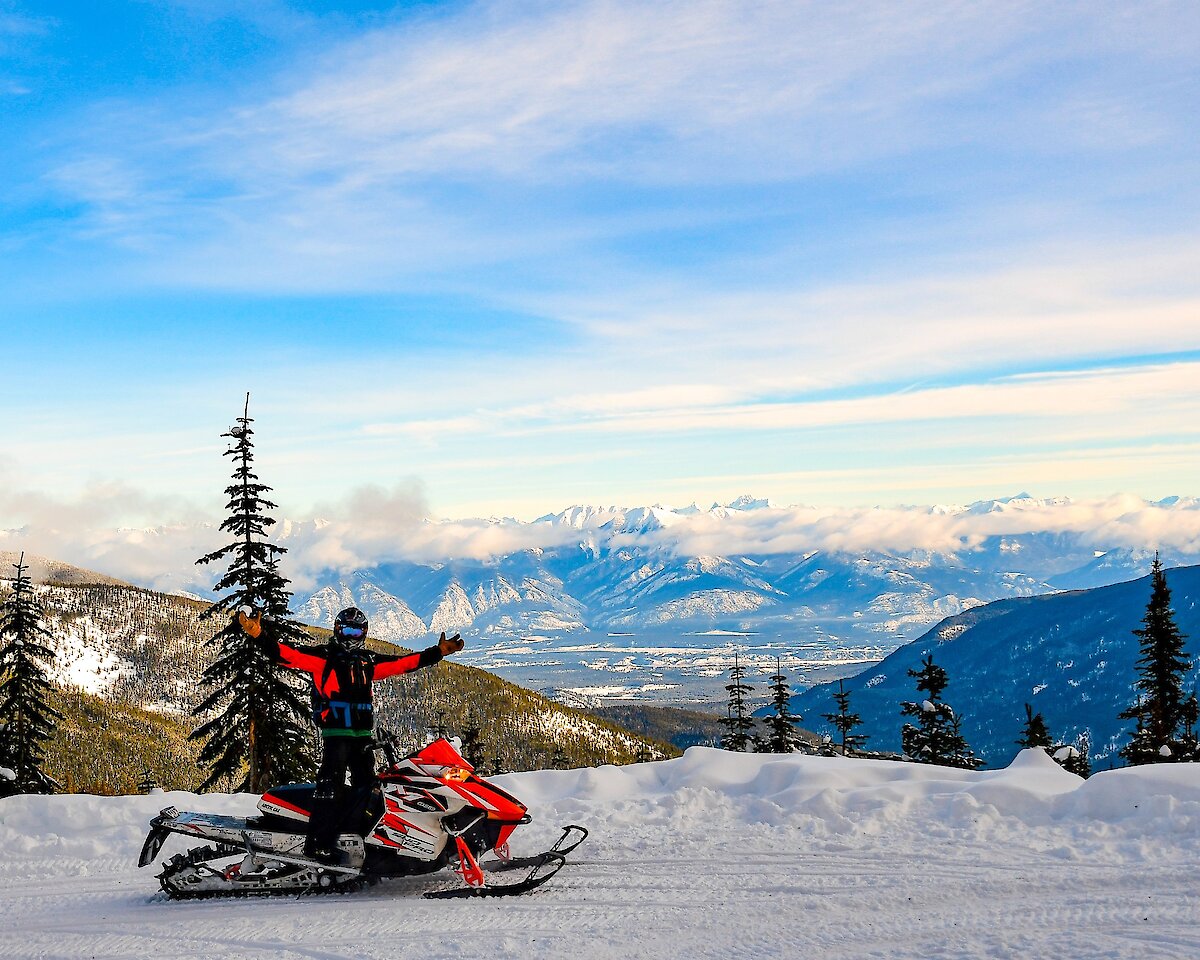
[(712, 856)]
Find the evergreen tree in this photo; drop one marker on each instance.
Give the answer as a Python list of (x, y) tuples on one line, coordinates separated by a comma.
[(1190, 740), (844, 721), (962, 755), (1075, 758), (498, 763), (472, 744), (26, 718), (1071, 757), (1160, 711), (737, 721), (936, 737), (781, 723), (1036, 733), (259, 735)]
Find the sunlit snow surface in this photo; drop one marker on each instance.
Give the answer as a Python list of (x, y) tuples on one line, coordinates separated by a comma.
[(712, 855)]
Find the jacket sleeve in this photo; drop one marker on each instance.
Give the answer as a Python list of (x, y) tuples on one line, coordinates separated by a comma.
[(286, 654), (392, 666), (300, 659)]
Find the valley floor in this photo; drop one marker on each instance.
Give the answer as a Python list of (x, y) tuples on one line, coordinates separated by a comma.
[(711, 855)]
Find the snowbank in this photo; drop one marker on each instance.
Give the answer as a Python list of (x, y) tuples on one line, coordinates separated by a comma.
[(712, 854), (86, 826)]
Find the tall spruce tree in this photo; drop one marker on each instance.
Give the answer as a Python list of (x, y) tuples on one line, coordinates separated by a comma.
[(936, 737), (259, 735), (844, 721), (781, 722), (27, 720), (1160, 711), (1036, 733), (737, 721)]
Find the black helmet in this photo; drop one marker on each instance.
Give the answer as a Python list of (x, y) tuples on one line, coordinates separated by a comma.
[(350, 627)]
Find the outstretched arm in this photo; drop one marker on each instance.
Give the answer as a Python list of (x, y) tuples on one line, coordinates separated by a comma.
[(265, 634), (392, 666)]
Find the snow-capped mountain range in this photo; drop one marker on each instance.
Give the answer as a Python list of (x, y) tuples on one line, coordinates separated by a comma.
[(627, 602)]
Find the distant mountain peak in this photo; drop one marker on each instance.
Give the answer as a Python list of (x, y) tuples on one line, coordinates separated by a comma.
[(1022, 501), (747, 502), (625, 519)]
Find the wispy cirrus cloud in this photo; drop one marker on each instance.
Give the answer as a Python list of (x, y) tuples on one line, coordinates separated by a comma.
[(414, 145), (1128, 401), (640, 244)]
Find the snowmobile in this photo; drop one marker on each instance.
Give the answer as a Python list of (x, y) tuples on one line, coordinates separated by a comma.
[(426, 811)]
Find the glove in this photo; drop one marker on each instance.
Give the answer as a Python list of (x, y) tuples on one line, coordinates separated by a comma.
[(250, 620), (449, 645)]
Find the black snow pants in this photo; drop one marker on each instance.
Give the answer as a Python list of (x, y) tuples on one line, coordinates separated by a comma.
[(338, 755)]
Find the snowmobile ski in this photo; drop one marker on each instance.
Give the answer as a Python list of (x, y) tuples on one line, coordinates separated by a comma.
[(574, 832), (548, 864)]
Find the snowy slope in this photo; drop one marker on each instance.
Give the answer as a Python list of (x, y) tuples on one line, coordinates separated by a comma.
[(1070, 655), (131, 645), (712, 855)]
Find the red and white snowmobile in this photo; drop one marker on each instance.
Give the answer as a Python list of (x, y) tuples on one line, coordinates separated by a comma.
[(426, 811)]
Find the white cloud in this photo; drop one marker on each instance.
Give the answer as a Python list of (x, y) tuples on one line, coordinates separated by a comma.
[(375, 525), (456, 152), (113, 528), (335, 173), (1080, 300), (1123, 400), (1118, 521), (780, 85)]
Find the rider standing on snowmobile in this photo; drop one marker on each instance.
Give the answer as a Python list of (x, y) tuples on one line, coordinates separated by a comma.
[(342, 672)]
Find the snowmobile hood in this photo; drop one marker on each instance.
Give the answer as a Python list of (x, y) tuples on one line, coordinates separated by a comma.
[(441, 753)]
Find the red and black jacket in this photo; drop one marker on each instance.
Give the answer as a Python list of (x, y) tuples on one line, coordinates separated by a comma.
[(342, 679)]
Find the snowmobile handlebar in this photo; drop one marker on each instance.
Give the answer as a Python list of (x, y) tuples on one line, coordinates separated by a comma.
[(385, 741)]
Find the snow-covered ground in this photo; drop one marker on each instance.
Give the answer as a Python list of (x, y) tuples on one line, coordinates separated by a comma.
[(711, 855)]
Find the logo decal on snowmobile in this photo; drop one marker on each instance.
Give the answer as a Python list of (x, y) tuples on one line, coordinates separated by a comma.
[(418, 844)]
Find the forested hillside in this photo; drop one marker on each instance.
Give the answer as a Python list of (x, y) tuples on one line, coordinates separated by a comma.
[(680, 727), (106, 747), (129, 663), (1071, 656)]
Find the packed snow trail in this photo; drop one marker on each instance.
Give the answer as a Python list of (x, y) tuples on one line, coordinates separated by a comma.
[(710, 855)]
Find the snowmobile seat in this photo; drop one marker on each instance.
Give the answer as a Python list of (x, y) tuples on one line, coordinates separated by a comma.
[(292, 801)]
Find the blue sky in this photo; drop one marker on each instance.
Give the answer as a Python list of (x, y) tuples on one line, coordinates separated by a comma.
[(503, 257)]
